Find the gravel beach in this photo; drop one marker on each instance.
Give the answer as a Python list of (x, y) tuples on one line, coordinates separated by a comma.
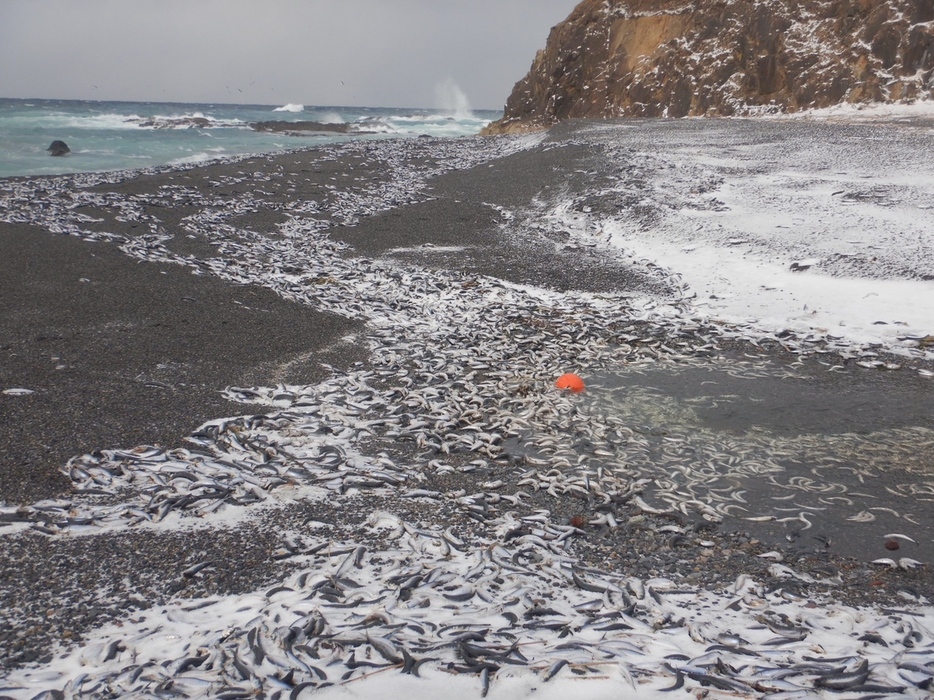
[(120, 353), (136, 307)]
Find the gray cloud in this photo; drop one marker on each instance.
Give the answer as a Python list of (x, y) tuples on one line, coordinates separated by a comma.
[(392, 53)]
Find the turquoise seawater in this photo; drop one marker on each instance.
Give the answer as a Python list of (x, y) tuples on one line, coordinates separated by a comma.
[(119, 135)]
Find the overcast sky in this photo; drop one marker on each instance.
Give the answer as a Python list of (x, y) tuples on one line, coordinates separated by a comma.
[(378, 53)]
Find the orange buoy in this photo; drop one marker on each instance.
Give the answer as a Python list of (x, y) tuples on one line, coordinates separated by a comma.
[(570, 381)]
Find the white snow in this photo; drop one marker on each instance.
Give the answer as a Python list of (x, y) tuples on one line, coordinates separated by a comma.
[(743, 287), (866, 112), (780, 224)]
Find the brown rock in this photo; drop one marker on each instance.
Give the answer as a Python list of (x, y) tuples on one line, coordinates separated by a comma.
[(300, 127), (613, 58)]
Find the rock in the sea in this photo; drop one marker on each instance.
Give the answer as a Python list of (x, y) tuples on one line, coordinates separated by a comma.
[(195, 122), (58, 148), (298, 128), (309, 128), (652, 58)]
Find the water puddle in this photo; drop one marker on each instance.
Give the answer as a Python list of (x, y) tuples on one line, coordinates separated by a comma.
[(818, 459), (737, 400)]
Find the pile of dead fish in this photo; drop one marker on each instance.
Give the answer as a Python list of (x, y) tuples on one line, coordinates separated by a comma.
[(421, 600), (459, 381), (460, 365)]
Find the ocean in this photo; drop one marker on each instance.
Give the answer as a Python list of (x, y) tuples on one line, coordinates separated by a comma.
[(107, 136)]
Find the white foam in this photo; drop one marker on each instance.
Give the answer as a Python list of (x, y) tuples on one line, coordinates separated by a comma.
[(181, 121), (373, 125), (96, 121), (195, 158), (290, 108), (331, 118)]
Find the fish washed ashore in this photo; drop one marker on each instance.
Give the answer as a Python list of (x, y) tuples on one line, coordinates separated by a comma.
[(389, 487)]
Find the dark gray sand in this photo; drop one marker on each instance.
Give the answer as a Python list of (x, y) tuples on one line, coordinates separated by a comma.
[(138, 353), (459, 227), (121, 353)]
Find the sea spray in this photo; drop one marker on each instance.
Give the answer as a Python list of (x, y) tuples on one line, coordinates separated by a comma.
[(451, 98)]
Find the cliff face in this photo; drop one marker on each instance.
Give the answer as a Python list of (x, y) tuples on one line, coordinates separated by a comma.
[(649, 58)]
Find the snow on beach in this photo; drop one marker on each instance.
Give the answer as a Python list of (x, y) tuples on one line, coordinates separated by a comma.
[(780, 228), (453, 566)]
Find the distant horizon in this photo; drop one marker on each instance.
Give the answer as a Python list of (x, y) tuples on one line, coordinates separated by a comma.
[(327, 52), (248, 104)]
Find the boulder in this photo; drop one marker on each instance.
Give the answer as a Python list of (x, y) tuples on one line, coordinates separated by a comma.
[(171, 122), (58, 148), (309, 128)]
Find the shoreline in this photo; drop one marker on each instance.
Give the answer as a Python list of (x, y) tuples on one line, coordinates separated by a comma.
[(409, 231)]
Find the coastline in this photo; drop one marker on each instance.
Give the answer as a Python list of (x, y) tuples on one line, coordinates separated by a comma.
[(387, 210)]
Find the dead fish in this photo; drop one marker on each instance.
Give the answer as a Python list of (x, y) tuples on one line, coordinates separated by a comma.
[(844, 680)]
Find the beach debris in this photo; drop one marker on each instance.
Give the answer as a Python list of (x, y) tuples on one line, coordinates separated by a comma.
[(802, 265), (571, 382)]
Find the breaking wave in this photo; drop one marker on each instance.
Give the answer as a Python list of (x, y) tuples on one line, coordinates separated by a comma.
[(106, 136)]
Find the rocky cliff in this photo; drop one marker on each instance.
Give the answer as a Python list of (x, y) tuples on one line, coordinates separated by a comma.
[(676, 58)]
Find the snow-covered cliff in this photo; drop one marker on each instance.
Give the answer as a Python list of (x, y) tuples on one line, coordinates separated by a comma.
[(674, 58)]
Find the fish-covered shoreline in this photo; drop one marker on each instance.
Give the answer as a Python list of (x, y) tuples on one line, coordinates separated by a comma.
[(411, 496)]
